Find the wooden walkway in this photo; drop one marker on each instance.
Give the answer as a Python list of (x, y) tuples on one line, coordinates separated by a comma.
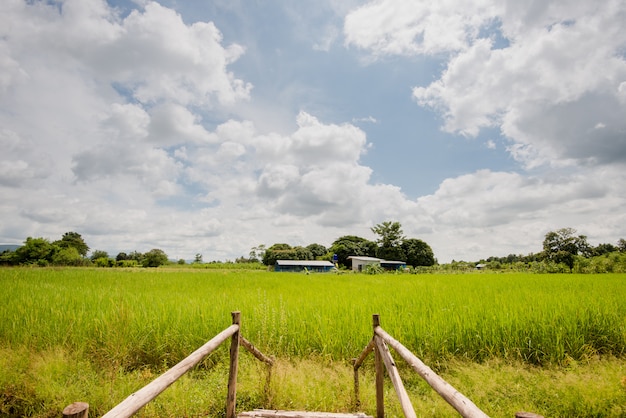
[(269, 413)]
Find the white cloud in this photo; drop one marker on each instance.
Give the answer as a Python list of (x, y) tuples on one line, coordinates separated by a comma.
[(172, 124), (559, 75), (390, 27), (473, 215)]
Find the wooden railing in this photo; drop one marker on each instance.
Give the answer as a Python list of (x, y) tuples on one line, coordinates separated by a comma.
[(378, 344), (139, 399)]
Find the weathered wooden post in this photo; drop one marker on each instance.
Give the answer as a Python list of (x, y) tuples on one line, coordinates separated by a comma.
[(523, 414), (356, 365), (231, 400), (76, 410), (378, 361), (357, 400)]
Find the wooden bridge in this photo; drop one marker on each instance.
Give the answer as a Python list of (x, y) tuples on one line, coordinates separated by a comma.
[(379, 345)]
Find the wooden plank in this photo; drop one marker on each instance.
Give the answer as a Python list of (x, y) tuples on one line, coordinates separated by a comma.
[(270, 413)]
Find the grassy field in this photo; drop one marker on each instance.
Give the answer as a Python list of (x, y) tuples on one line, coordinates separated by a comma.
[(554, 344)]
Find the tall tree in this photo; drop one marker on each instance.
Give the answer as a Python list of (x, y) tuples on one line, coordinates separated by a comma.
[(75, 240), (154, 258), (417, 252), (390, 240), (563, 245), (275, 252)]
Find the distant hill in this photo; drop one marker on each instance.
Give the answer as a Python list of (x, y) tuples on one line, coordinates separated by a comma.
[(10, 247)]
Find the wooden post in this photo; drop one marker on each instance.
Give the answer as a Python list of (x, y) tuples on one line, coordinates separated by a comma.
[(231, 400), (357, 401), (522, 414), (378, 361), (76, 410)]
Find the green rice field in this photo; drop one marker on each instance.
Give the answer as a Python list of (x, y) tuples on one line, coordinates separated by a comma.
[(115, 330)]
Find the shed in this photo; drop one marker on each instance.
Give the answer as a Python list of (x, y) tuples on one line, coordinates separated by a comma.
[(301, 265), (360, 261)]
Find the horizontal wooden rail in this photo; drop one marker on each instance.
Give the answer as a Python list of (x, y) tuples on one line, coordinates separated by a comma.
[(462, 404), (144, 395)]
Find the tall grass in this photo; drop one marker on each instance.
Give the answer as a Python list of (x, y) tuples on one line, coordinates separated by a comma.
[(135, 318)]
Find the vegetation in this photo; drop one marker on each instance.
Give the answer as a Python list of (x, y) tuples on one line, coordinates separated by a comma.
[(563, 251), (71, 250), (507, 341)]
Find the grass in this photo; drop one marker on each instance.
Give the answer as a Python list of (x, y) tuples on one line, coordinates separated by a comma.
[(99, 334)]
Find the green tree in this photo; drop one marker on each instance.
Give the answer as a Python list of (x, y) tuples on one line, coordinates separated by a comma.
[(272, 253), (621, 245), (154, 258), (75, 240), (417, 252), (98, 254), (390, 240), (68, 256), (8, 258), (317, 250), (285, 252), (256, 253), (602, 249), (562, 246), (349, 245), (35, 250), (121, 256), (197, 259)]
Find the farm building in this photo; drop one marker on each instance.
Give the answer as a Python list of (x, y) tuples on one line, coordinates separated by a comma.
[(300, 265), (360, 261)]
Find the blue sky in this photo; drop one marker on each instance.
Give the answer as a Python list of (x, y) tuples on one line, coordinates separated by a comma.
[(214, 126)]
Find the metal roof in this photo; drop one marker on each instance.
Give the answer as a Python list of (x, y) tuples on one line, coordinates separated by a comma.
[(364, 258), (319, 263), (374, 259)]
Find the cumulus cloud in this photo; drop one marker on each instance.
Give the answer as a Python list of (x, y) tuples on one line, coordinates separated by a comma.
[(390, 27), (557, 77)]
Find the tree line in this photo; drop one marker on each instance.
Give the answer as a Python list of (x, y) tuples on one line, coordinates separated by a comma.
[(71, 250), (563, 250)]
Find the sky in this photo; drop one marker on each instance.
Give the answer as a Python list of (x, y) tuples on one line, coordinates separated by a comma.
[(211, 127)]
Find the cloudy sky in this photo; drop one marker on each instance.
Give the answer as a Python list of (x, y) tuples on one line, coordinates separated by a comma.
[(211, 127)]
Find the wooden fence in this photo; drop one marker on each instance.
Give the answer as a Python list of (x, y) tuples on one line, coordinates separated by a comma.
[(139, 399), (378, 344)]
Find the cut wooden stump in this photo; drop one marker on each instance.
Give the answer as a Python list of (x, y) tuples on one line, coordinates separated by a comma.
[(270, 413), (76, 410)]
